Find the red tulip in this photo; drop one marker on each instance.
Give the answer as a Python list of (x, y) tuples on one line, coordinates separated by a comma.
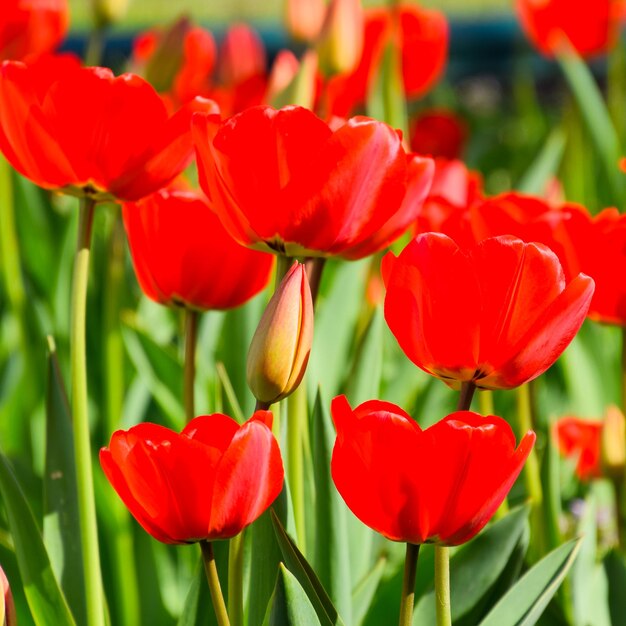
[(84, 131), (497, 314), (183, 256), (420, 35), (438, 133), (306, 189), (439, 485), (595, 245), (580, 439), (447, 208), (590, 27), (208, 482), (242, 55), (31, 27)]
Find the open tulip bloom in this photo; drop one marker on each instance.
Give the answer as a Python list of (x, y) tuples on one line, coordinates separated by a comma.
[(208, 482), (439, 485), (307, 189), (84, 131), (496, 315)]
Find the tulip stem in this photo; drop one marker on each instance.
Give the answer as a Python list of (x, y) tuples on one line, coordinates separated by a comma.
[(314, 270), (235, 579), (214, 583), (82, 443), (465, 399), (296, 423), (283, 263), (531, 471), (191, 339), (442, 586), (408, 584)]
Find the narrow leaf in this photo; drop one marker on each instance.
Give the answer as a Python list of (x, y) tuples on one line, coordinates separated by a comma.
[(365, 591), (615, 568), (289, 605), (524, 603), (60, 526), (545, 166), (331, 558), (45, 598), (301, 569)]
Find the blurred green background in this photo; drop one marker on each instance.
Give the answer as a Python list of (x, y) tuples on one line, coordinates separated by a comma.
[(141, 12)]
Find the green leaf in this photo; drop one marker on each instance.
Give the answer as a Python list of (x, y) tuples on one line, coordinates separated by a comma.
[(160, 370), (45, 598), (545, 166), (582, 573), (365, 591), (364, 380), (476, 567), (597, 119), (61, 526), (524, 603), (331, 558), (386, 100), (289, 605), (300, 90), (615, 568), (301, 569)]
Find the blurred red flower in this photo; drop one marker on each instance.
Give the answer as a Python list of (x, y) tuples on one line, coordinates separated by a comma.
[(592, 28), (83, 131), (497, 314), (31, 27), (439, 485), (595, 245), (581, 440), (421, 37), (183, 61), (183, 256), (454, 192), (208, 482), (306, 189), (438, 133)]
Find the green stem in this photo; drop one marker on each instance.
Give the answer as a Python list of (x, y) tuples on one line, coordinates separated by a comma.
[(531, 471), (465, 397), (485, 402), (296, 424), (82, 443), (283, 263), (442, 586), (314, 270), (95, 46), (235, 579), (408, 584), (191, 339), (214, 583), (125, 577)]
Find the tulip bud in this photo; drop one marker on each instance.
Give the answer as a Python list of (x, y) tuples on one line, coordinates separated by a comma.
[(280, 348), (8, 616), (613, 447), (341, 42), (242, 55), (108, 12), (305, 19)]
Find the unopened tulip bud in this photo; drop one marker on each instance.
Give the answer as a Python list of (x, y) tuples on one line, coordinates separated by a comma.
[(341, 42), (242, 55), (613, 442), (108, 12), (8, 616), (280, 348), (305, 19)]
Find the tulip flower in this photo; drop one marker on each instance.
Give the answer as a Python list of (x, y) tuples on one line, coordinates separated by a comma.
[(306, 189), (183, 256), (208, 482), (497, 314), (438, 133), (281, 345), (304, 19), (595, 245), (421, 38), (440, 485), (85, 132), (32, 27), (8, 616), (592, 28), (447, 208), (580, 439)]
